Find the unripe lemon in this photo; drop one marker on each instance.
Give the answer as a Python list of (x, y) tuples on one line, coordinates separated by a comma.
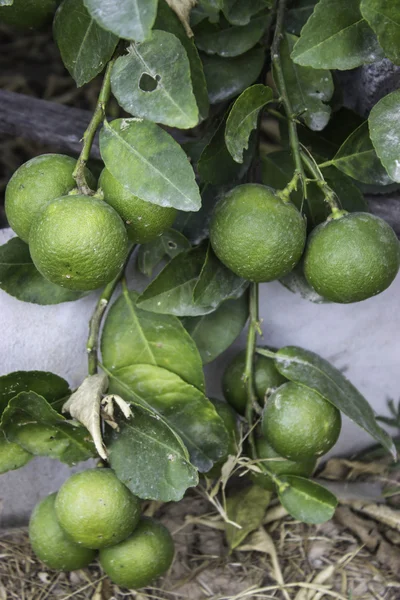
[(34, 184), (144, 220), (51, 544), (299, 423), (265, 376), (28, 14), (351, 258), (145, 555), (78, 242), (257, 235), (96, 509)]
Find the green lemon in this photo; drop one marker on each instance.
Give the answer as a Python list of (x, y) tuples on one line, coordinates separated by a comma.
[(279, 465), (351, 258), (228, 417), (299, 423), (33, 185), (28, 14), (145, 555), (265, 376), (78, 242), (51, 544), (257, 235), (144, 220), (96, 509)]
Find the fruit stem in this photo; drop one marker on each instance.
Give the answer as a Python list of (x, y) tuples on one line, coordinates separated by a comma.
[(281, 84), (249, 366), (97, 317), (88, 137), (329, 195)]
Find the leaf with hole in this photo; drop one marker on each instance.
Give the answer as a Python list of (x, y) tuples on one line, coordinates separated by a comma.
[(52, 387), (128, 19), (336, 37), (384, 129), (309, 89), (168, 245), (20, 278), (228, 77), (132, 336), (357, 158), (309, 369), (383, 17), (306, 501), (30, 421), (229, 41), (149, 163), (246, 508), (153, 82), (185, 408), (84, 46), (215, 332), (243, 117)]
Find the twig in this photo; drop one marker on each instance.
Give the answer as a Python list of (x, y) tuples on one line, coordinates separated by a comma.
[(314, 169), (249, 368)]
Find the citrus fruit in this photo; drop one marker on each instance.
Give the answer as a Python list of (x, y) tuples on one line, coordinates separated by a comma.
[(51, 544), (33, 185), (144, 220), (78, 242), (279, 465), (257, 235), (299, 423), (352, 257), (96, 509), (265, 376), (28, 14), (228, 417), (145, 555)]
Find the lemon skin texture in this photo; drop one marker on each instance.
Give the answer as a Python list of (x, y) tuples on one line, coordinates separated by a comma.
[(78, 242), (96, 509), (257, 235), (352, 258), (279, 465), (138, 560), (28, 14), (265, 376), (144, 221), (33, 185), (228, 417), (51, 544), (300, 424)]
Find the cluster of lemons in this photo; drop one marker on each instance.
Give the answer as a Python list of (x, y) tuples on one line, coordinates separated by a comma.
[(94, 511)]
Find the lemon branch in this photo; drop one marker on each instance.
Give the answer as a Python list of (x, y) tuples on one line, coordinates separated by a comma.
[(314, 170), (254, 325), (88, 136)]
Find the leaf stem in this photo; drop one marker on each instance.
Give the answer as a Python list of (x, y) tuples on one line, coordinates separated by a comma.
[(97, 317), (329, 195), (249, 366), (88, 136), (281, 84)]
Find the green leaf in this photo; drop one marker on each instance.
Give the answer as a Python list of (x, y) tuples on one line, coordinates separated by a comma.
[(20, 278), (243, 118), (195, 225), (307, 501), (228, 77), (131, 336), (298, 15), (229, 41), (12, 456), (149, 458), (217, 283), (246, 508), (309, 89), (30, 421), (383, 17), (149, 163), (50, 386), (128, 19), (216, 164), (84, 46), (153, 82), (167, 20), (357, 157), (336, 37), (310, 370), (238, 12), (186, 410), (384, 129), (169, 244), (215, 332)]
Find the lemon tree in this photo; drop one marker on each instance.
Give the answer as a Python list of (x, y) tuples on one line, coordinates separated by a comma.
[(193, 196)]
